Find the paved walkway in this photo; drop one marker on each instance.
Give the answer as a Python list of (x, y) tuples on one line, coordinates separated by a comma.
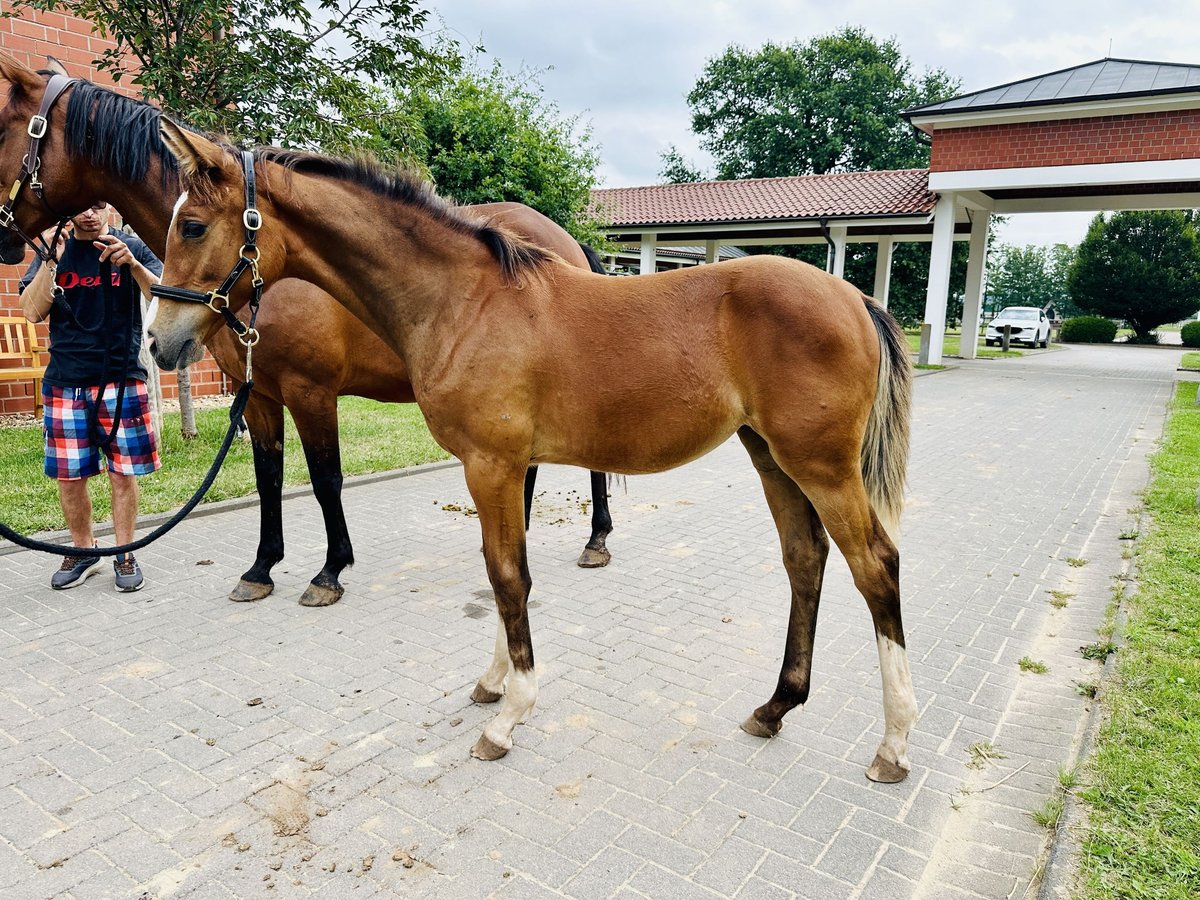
[(136, 759)]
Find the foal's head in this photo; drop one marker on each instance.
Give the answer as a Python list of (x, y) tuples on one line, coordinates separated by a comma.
[(207, 237)]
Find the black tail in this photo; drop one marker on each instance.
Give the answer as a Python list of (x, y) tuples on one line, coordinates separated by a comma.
[(593, 259)]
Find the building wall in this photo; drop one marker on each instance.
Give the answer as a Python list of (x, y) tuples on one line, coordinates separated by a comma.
[(75, 43), (1069, 142)]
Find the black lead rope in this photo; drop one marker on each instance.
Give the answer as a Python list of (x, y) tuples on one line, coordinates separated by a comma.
[(235, 415)]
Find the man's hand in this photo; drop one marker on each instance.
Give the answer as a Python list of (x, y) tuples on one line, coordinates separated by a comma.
[(59, 236), (114, 250)]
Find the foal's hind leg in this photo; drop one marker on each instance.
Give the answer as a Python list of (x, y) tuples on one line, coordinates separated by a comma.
[(841, 502), (805, 549), (265, 419), (496, 488), (595, 555)]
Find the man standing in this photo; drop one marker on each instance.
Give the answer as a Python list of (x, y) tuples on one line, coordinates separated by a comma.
[(95, 334)]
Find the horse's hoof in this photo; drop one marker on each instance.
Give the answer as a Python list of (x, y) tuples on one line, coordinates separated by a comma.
[(250, 590), (760, 729), (885, 771), (487, 749), (592, 558), (317, 595), (483, 695)]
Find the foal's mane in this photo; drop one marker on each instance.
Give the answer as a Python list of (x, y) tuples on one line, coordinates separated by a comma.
[(116, 133), (514, 255)]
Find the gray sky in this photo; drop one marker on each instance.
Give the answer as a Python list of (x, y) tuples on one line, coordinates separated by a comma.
[(627, 67)]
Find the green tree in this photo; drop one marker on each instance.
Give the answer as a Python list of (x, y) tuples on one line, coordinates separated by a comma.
[(1143, 267), (1031, 276), (677, 170), (493, 136), (830, 104), (293, 72)]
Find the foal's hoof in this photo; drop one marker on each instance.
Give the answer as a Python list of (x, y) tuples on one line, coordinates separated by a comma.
[(483, 695), (250, 590), (886, 772), (318, 595), (592, 558), (487, 749), (761, 729)]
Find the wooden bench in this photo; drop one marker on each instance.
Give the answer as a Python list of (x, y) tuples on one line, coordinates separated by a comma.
[(19, 341)]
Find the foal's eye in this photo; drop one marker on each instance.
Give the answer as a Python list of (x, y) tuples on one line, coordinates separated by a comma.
[(194, 229)]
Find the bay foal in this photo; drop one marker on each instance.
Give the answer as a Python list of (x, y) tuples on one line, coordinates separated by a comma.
[(516, 358)]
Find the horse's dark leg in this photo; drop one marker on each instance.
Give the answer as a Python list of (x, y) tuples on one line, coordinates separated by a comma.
[(805, 548), (836, 490), (496, 489), (316, 423), (530, 481), (265, 420), (595, 554)]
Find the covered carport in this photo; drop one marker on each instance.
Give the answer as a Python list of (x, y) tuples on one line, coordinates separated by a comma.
[(1107, 135), (882, 208)]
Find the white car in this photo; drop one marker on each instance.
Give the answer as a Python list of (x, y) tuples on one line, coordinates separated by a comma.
[(1028, 325)]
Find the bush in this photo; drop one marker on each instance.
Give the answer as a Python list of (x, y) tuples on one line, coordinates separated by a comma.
[(1088, 330), (1190, 334)]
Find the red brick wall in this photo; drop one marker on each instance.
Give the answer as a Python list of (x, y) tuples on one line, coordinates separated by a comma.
[(1069, 142), (76, 44)]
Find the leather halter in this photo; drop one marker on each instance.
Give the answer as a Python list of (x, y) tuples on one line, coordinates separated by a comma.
[(218, 300), (36, 129)]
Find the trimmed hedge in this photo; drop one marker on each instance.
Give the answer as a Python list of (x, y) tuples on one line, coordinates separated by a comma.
[(1088, 330), (1190, 334)]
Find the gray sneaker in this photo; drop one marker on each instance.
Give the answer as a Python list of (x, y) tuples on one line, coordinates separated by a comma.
[(129, 573), (74, 571)]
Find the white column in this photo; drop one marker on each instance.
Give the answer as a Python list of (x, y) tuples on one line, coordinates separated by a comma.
[(649, 253), (838, 234), (711, 252), (976, 269), (883, 269), (939, 278)]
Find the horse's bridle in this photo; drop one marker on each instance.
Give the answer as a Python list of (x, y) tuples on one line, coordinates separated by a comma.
[(30, 165), (218, 300)]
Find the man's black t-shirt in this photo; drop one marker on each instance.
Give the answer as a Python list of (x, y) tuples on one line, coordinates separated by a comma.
[(111, 317)]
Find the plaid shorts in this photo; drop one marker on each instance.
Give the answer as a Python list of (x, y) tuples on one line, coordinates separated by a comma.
[(71, 453)]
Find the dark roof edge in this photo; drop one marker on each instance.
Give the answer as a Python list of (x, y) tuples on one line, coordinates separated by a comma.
[(672, 184), (814, 219), (924, 110)]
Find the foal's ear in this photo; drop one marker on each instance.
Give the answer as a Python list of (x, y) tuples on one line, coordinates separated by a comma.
[(23, 79), (54, 65), (199, 158)]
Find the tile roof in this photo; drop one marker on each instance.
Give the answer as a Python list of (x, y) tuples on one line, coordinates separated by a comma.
[(903, 192), (1103, 79)]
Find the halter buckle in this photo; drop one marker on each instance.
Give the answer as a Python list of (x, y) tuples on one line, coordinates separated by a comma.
[(7, 220), (252, 219), (217, 301), (37, 127)]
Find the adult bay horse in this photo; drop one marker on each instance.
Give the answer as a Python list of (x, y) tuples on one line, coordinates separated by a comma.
[(100, 145), (516, 358)]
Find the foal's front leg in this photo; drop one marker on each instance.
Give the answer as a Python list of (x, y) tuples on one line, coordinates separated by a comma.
[(497, 489)]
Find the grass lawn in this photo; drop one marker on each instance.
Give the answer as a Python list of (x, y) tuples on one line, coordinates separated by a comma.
[(1191, 360), (952, 345), (1143, 838), (374, 437)]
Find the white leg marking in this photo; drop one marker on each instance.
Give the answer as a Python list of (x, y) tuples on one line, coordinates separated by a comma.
[(899, 702), (518, 704), (493, 678)]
